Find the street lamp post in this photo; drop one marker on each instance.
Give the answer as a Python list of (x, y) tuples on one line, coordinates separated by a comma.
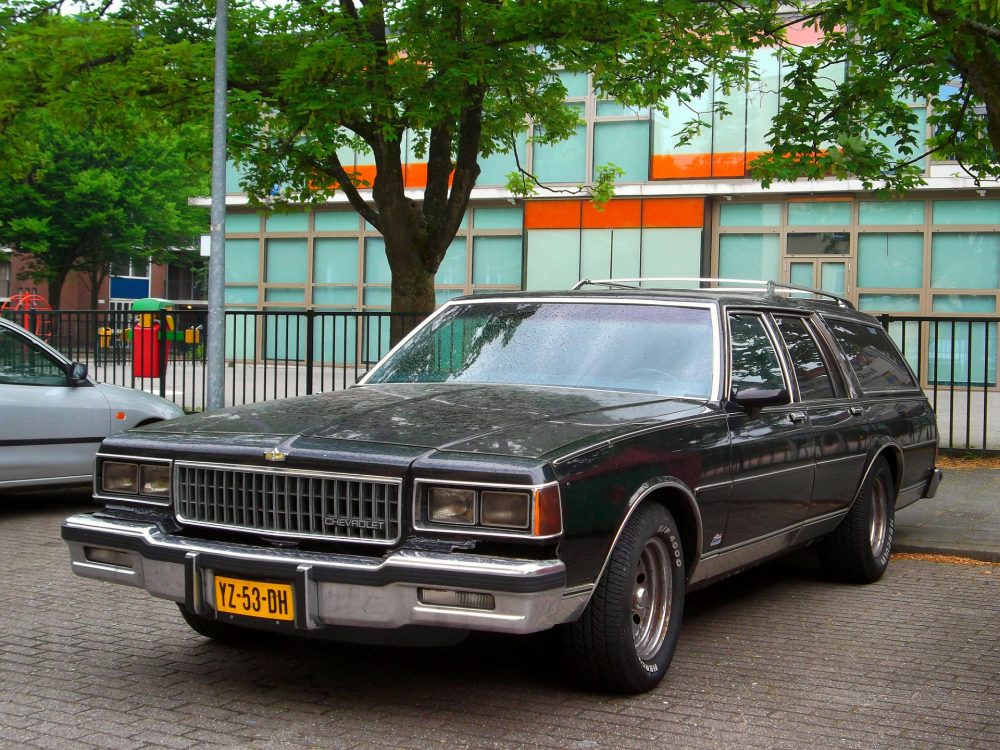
[(216, 334)]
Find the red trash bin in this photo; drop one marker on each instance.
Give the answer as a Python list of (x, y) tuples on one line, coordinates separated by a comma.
[(146, 361)]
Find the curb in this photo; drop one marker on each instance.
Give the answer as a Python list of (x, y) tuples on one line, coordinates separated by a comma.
[(982, 555)]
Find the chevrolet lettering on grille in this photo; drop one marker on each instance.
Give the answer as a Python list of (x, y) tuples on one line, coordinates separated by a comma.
[(353, 523)]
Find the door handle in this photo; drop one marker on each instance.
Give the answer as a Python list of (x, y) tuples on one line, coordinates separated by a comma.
[(796, 417), (856, 411)]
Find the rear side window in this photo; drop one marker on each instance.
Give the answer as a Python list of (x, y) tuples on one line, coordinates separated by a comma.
[(873, 357), (811, 372)]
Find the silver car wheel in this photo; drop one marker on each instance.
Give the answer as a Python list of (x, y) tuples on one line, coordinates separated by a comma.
[(651, 598), (878, 526)]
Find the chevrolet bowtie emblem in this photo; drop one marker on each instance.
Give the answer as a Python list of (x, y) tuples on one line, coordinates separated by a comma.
[(275, 455)]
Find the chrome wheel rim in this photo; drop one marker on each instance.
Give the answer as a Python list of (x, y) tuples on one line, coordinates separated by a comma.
[(878, 526), (652, 588)]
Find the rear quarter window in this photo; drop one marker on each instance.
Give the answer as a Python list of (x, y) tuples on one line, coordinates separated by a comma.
[(874, 358)]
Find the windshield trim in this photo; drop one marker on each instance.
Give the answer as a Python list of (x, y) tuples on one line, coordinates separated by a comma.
[(712, 308)]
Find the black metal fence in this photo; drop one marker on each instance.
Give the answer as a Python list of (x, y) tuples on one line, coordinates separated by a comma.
[(955, 359), (277, 354)]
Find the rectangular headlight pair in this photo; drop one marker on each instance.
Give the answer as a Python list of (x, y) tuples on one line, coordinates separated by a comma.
[(471, 507), (536, 511), (150, 480)]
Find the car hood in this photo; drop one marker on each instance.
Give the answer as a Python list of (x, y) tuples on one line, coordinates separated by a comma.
[(529, 421), (138, 405)]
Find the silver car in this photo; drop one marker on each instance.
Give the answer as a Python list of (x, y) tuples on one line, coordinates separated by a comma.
[(53, 416)]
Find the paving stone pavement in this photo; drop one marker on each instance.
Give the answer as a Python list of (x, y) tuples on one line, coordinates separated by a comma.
[(774, 658)]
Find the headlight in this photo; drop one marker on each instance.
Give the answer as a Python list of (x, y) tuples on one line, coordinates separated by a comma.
[(119, 477), (450, 505), (146, 482), (154, 479), (508, 510), (534, 511)]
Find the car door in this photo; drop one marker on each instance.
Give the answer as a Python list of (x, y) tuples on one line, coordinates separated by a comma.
[(836, 415), (772, 448), (50, 429)]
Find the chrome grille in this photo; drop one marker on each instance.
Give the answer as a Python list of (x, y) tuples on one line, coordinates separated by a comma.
[(288, 502)]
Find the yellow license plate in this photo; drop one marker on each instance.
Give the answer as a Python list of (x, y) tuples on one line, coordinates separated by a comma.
[(270, 601)]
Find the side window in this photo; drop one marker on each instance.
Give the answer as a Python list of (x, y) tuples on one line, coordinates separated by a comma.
[(754, 361), (23, 363), (811, 371), (873, 357)]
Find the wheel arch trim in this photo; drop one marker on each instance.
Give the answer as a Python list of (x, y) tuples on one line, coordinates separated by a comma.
[(897, 452), (638, 499)]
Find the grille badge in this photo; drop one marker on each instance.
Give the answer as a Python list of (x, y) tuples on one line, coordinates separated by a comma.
[(275, 455)]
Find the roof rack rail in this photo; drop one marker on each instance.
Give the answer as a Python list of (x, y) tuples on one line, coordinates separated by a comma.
[(751, 285)]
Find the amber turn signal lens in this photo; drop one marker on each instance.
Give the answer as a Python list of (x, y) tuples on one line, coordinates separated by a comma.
[(548, 512)]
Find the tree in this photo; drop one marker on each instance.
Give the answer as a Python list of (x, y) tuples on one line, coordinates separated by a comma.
[(845, 100), (93, 198), (313, 80)]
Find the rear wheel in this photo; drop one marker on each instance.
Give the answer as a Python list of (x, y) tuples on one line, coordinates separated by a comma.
[(625, 639), (858, 550)]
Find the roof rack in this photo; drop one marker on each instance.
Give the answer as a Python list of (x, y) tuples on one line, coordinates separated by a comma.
[(770, 288)]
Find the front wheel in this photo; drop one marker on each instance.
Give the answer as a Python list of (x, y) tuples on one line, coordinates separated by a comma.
[(625, 639), (858, 550)]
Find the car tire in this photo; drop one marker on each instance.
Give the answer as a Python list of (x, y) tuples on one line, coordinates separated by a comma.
[(625, 638), (221, 632), (858, 550)]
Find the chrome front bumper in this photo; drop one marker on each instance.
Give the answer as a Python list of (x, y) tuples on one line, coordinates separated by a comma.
[(330, 590)]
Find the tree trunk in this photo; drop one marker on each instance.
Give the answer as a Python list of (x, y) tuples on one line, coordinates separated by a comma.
[(413, 296)]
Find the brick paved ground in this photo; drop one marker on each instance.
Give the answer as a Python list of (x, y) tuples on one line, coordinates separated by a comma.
[(777, 658)]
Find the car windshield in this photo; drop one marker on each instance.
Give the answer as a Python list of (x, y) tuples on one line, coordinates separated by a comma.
[(660, 349)]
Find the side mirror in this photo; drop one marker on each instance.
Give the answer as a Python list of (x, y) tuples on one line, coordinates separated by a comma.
[(77, 373), (752, 399)]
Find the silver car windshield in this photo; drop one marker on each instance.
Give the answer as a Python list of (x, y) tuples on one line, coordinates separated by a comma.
[(658, 349)]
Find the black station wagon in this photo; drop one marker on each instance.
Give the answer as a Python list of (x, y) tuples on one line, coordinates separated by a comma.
[(574, 459)]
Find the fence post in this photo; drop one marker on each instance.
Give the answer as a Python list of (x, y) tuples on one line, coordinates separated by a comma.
[(310, 349), (884, 319)]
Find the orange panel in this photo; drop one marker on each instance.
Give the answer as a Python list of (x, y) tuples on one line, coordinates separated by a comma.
[(617, 214), (799, 34), (552, 214), (673, 212), (415, 174), (729, 164), (680, 166)]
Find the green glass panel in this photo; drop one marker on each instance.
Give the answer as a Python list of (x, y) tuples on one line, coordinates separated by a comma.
[(965, 260), (335, 260), (672, 253), (242, 223), (801, 274), (378, 296), (963, 303), (624, 144), (335, 338), (376, 264), (825, 213), (750, 215), (241, 295), (729, 133), (978, 211), (336, 221), (625, 246), (595, 254), (564, 161), (495, 167), (286, 261), (576, 83), (285, 295), (497, 260), (832, 277), (241, 333), (233, 176), (919, 131), (890, 261), (889, 302), (285, 336), (749, 256), (762, 100), (890, 212), (287, 222), (452, 270), (553, 258), (611, 108), (508, 217), (335, 295), (669, 121), (242, 261), (443, 295)]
